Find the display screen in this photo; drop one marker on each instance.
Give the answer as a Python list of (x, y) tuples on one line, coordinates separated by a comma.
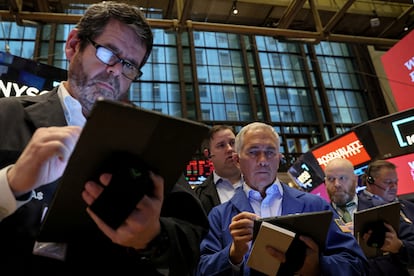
[(394, 134), (197, 171), (346, 146), (398, 66), (405, 172), (20, 76), (306, 172)]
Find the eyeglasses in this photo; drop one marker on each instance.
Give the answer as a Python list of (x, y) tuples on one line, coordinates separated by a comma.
[(109, 58)]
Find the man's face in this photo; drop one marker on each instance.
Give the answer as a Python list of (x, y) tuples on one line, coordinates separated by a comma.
[(221, 152), (89, 78), (385, 184), (259, 158), (340, 183)]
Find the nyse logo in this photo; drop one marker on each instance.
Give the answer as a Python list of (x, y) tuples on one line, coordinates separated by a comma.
[(8, 89), (404, 131)]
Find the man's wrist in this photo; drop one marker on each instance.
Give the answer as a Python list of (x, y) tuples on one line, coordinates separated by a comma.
[(155, 248)]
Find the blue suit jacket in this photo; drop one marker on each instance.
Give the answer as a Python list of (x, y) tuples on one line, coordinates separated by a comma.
[(341, 255)]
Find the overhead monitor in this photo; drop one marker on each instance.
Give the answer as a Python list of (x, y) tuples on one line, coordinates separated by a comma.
[(405, 172), (346, 146), (21, 76), (197, 170)]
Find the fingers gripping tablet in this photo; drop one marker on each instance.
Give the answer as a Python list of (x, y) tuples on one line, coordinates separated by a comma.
[(129, 184)]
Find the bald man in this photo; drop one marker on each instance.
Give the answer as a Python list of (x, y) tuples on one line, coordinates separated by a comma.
[(341, 182)]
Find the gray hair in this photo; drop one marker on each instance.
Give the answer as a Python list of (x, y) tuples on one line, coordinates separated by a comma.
[(251, 127)]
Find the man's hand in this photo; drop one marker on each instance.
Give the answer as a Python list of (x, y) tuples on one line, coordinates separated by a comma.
[(44, 159), (241, 230), (142, 225), (391, 242)]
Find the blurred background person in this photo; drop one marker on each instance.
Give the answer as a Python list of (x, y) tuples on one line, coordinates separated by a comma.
[(219, 186)]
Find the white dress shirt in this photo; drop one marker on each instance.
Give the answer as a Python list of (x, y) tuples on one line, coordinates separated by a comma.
[(225, 188), (73, 114)]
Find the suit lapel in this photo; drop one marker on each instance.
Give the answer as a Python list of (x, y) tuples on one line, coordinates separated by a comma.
[(36, 106)]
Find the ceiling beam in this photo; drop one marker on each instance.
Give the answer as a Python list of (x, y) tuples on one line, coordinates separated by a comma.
[(290, 13), (311, 37), (16, 5), (338, 16), (204, 26), (402, 17), (362, 7)]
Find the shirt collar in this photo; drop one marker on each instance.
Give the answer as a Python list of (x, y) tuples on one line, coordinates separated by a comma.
[(217, 179), (71, 107), (276, 187)]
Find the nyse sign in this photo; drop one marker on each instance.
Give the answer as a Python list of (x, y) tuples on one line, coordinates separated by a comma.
[(9, 89)]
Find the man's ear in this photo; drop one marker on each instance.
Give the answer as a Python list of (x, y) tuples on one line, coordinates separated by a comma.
[(72, 44), (236, 159), (206, 153)]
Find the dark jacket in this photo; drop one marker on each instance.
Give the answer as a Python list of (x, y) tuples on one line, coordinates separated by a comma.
[(393, 264), (183, 219), (207, 193)]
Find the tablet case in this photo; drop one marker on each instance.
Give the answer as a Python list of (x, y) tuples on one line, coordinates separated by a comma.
[(163, 143), (312, 224), (374, 218)]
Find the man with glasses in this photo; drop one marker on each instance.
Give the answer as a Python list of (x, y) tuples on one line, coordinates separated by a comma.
[(106, 50), (381, 182)]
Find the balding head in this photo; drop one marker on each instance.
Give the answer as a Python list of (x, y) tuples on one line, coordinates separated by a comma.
[(340, 181)]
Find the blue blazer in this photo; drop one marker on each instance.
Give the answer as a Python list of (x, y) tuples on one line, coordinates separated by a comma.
[(341, 255)]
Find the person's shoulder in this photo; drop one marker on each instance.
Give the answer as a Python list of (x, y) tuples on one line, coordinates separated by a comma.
[(206, 183), (26, 100), (407, 203), (307, 197), (222, 209)]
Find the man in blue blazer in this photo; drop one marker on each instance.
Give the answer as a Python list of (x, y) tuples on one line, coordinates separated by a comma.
[(225, 249)]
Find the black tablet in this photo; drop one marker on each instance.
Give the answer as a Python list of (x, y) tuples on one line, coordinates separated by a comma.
[(119, 133), (373, 219)]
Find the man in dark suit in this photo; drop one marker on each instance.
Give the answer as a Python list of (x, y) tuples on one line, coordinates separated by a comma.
[(106, 50), (219, 186), (381, 182)]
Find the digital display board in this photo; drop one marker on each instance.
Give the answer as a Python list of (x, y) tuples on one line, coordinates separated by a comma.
[(346, 146), (405, 172), (394, 134), (399, 67), (389, 137), (197, 171), (306, 172)]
